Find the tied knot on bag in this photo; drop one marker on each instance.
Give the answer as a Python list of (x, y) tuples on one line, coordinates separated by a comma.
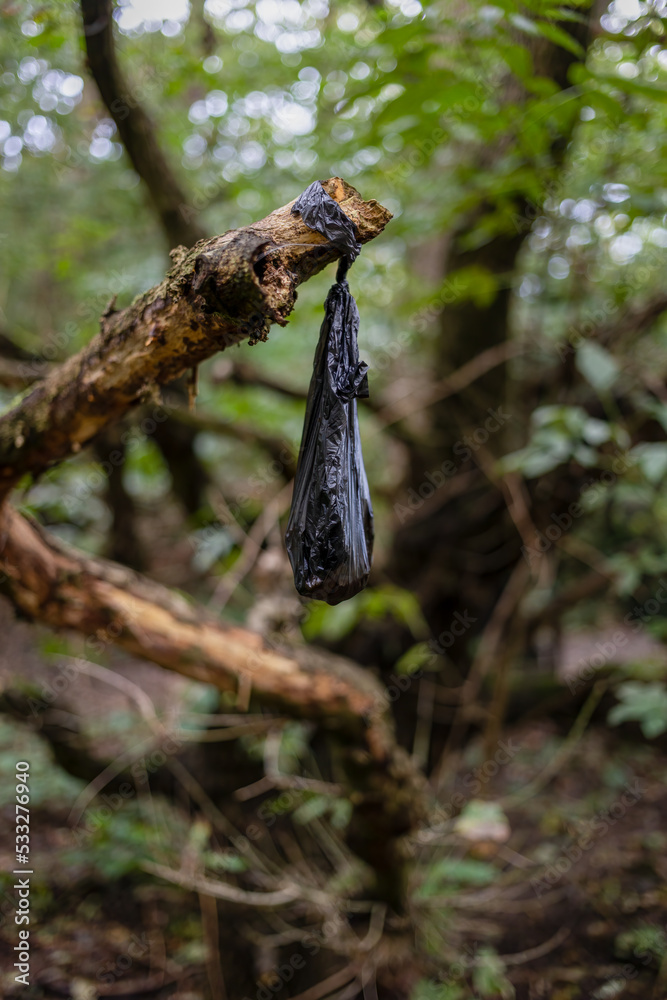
[(329, 534)]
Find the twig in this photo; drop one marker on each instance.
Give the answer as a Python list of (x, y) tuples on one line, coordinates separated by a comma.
[(216, 817), (579, 590), (375, 928), (452, 384), (215, 719), (340, 978), (565, 752), (488, 646), (209, 918), (425, 703), (67, 589), (251, 549), (135, 693), (531, 954), (369, 981), (220, 890), (256, 788), (221, 735), (272, 746), (244, 374), (112, 770)]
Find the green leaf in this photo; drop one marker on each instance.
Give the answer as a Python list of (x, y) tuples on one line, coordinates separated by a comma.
[(333, 623), (560, 37), (642, 703), (524, 24), (312, 808), (519, 60), (489, 978), (448, 873), (482, 820), (341, 813), (226, 862), (597, 366), (651, 456), (596, 431), (418, 657)]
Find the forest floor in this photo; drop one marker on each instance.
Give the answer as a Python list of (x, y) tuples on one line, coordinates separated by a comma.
[(577, 908)]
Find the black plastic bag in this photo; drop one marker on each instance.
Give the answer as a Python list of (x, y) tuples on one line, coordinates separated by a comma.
[(324, 215), (330, 529)]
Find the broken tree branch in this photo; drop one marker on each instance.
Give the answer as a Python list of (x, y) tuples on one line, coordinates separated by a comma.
[(54, 584), (277, 448), (222, 291), (51, 583)]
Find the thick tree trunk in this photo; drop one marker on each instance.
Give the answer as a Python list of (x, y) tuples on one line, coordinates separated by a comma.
[(458, 553)]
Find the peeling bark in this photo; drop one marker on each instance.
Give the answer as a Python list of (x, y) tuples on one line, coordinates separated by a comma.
[(222, 291), (108, 603), (218, 293), (51, 583)]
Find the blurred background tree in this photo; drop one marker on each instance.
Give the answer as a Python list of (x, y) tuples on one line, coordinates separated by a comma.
[(515, 441)]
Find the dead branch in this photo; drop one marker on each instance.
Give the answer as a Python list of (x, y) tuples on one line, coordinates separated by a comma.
[(222, 291), (135, 128), (56, 585)]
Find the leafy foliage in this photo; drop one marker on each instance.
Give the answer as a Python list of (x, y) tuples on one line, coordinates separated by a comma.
[(452, 117)]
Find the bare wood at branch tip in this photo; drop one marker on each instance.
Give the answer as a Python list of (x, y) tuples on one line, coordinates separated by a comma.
[(222, 291)]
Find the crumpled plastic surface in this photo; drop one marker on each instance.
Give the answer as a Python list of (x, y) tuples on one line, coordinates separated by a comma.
[(330, 529), (322, 213)]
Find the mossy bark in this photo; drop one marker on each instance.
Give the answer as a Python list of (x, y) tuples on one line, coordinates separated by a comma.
[(223, 290)]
